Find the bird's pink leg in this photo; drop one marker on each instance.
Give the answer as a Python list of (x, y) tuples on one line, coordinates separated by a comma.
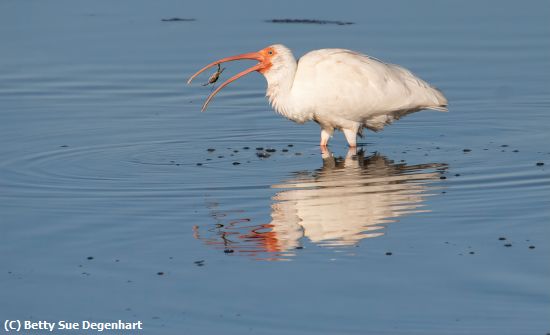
[(325, 136), (351, 137)]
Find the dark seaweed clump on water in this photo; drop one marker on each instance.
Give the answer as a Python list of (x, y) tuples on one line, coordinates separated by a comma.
[(263, 154), (308, 21), (177, 19)]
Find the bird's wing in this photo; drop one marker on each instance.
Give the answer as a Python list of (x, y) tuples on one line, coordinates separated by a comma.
[(358, 87)]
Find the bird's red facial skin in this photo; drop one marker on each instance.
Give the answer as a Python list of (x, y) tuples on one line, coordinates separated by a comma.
[(267, 53)]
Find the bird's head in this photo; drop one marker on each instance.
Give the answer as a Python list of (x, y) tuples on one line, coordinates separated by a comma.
[(271, 61)]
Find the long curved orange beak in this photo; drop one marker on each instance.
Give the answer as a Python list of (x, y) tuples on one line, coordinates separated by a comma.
[(260, 56)]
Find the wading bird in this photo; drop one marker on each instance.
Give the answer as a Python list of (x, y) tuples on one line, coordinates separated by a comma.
[(337, 88)]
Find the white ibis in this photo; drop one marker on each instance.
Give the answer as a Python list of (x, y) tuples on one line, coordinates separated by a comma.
[(337, 88)]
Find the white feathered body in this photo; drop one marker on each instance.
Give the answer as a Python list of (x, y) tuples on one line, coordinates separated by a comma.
[(343, 89)]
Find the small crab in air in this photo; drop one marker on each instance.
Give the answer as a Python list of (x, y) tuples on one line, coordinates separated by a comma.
[(215, 76)]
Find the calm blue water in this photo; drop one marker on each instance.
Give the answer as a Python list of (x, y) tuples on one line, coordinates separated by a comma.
[(104, 155)]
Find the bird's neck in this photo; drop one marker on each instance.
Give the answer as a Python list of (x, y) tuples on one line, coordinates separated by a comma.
[(279, 90)]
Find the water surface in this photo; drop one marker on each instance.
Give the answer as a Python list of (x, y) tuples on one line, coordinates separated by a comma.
[(113, 207)]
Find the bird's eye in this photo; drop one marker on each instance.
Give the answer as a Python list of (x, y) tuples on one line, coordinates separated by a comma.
[(270, 52)]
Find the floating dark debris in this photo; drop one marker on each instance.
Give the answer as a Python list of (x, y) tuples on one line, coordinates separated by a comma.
[(309, 21), (502, 238), (228, 251), (90, 257), (246, 148), (508, 245), (210, 149), (540, 163), (270, 150), (259, 148), (199, 263), (178, 19), (199, 164), (284, 150), (236, 163), (442, 177), (160, 273), (262, 154), (389, 253), (531, 247), (467, 150)]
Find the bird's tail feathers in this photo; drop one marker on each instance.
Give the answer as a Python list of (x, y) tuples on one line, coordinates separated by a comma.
[(442, 108), (440, 101)]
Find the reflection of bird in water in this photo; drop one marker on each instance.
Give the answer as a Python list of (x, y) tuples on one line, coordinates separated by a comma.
[(346, 200)]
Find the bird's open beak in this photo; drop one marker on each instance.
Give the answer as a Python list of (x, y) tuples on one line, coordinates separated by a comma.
[(263, 63)]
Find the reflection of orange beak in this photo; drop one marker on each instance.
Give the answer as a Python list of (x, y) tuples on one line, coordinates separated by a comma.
[(262, 65)]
